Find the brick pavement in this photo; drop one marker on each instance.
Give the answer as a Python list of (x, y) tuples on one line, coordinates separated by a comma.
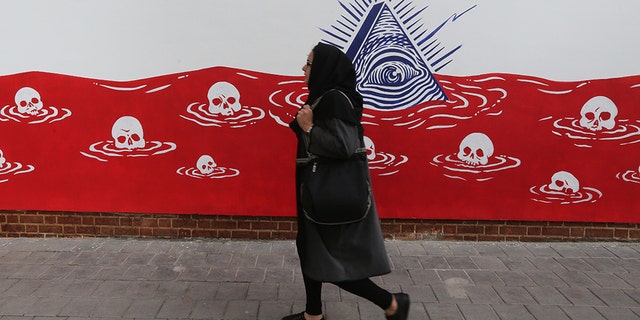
[(105, 278)]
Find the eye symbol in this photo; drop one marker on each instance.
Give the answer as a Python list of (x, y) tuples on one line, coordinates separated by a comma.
[(395, 73), (391, 68)]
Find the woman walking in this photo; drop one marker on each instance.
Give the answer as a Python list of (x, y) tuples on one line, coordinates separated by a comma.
[(346, 255)]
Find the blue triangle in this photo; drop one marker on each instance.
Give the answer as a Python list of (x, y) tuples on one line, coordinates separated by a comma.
[(392, 74)]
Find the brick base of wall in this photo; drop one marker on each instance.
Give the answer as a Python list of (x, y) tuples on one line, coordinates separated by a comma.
[(74, 224)]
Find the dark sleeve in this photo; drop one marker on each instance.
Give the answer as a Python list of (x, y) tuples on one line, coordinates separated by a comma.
[(338, 139)]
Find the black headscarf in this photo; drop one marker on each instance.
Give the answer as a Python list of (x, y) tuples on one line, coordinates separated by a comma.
[(332, 69)]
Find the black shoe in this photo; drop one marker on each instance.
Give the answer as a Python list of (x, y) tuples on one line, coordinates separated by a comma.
[(402, 313), (297, 316)]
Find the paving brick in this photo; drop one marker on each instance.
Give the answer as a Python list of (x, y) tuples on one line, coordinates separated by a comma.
[(545, 279), (406, 262), (581, 296), (615, 297), (617, 313), (209, 309), (607, 280), (547, 312), (424, 277), (507, 311), (488, 263), (546, 264), (483, 295), (478, 312), (461, 263), (583, 312), (144, 308), (576, 279), (546, 296), (80, 307), (515, 295), (176, 309), (575, 264), (485, 277), (515, 278), (441, 310)]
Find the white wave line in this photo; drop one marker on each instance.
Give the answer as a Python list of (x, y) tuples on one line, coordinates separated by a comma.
[(483, 98), (504, 92), (546, 118), (200, 123), (533, 81), (630, 142), (635, 86), (271, 98), (287, 98), (418, 124), (555, 92), (31, 168), (92, 156), (449, 116), (158, 88), (172, 146), (454, 177), (468, 86), (6, 115), (464, 104), (432, 107), (278, 120), (290, 82), (442, 127), (122, 88), (490, 78), (247, 75), (66, 115), (409, 122), (404, 159)]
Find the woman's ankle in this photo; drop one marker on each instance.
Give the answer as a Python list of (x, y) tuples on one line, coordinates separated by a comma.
[(393, 307)]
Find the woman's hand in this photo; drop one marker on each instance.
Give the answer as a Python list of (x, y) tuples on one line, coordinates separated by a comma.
[(305, 118)]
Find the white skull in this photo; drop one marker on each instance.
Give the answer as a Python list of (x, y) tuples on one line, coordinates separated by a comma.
[(598, 113), (28, 101), (2, 159), (127, 133), (565, 182), (224, 99), (475, 149), (371, 148), (206, 164)]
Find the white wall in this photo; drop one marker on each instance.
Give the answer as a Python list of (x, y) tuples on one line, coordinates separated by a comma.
[(134, 39)]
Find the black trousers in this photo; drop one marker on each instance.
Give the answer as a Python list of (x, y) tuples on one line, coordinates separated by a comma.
[(364, 288)]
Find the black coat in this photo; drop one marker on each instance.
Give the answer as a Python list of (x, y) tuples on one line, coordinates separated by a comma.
[(333, 253)]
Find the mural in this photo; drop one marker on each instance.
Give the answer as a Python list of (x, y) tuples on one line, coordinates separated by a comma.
[(493, 146)]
